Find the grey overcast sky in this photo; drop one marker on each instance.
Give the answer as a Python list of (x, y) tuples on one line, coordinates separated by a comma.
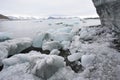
[(47, 8)]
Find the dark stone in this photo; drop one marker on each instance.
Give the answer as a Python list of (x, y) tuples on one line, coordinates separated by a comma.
[(35, 49), (74, 66), (1, 67)]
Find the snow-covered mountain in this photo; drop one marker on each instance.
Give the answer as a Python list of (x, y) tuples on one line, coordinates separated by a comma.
[(23, 17)]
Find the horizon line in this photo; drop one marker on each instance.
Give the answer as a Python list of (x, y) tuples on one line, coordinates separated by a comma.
[(61, 16)]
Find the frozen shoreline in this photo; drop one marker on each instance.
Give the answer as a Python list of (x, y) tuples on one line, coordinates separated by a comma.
[(89, 57)]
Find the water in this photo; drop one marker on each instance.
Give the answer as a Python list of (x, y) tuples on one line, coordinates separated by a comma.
[(29, 28)]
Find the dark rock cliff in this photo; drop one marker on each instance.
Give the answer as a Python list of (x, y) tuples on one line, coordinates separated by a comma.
[(109, 12)]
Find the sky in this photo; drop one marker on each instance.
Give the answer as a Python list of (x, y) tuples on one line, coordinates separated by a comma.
[(43, 8)]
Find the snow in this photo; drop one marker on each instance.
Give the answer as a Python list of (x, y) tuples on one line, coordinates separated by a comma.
[(63, 74), (87, 33), (118, 71)]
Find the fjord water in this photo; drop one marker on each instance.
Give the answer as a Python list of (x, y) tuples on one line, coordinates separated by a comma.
[(29, 28)]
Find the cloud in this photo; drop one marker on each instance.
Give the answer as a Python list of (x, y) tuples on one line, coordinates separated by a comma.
[(47, 7)]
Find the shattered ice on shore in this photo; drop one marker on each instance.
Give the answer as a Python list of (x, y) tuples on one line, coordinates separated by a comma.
[(90, 53)]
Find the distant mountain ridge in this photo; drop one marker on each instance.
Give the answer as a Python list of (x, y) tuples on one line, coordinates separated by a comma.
[(3, 17)]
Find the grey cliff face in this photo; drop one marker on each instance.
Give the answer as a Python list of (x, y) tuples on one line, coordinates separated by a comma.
[(109, 12)]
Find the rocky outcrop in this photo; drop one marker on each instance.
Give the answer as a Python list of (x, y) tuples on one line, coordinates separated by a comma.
[(3, 17), (109, 12)]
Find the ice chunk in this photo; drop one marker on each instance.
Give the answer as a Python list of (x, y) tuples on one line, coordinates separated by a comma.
[(51, 45), (74, 57), (10, 62), (17, 72), (46, 65), (87, 34), (14, 46), (17, 45), (64, 73), (5, 36), (55, 52), (60, 30), (19, 58), (62, 36), (40, 65), (75, 30), (38, 40), (87, 60), (65, 44), (64, 30), (16, 59), (3, 52), (75, 45)]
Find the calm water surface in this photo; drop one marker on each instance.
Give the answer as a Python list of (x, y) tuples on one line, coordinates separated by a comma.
[(29, 28)]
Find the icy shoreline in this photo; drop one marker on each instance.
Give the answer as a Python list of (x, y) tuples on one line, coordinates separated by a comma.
[(68, 53)]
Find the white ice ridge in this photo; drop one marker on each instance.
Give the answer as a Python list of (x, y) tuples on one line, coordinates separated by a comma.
[(14, 46)]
